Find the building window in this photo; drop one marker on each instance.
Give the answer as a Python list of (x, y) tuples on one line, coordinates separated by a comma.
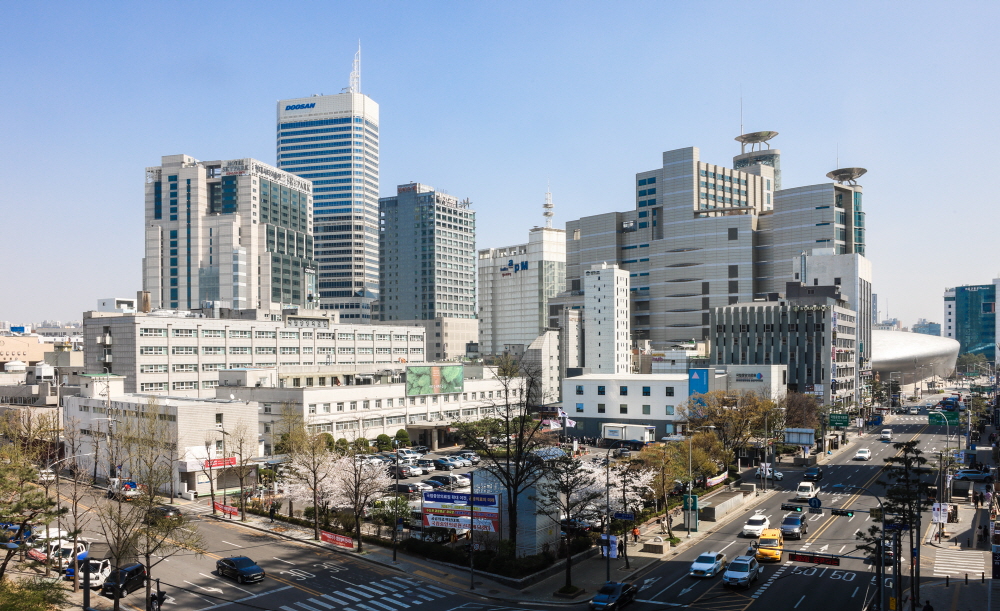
[(670, 391), (600, 389), (670, 410), (623, 408), (645, 391), (623, 391), (600, 408), (579, 408), (645, 410), (579, 389)]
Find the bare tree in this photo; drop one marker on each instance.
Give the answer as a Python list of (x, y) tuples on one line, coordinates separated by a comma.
[(120, 523), (732, 413), (208, 466), (78, 487), (513, 460), (243, 448)]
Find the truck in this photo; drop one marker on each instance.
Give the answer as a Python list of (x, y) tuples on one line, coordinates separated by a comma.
[(96, 561), (123, 489), (641, 433)]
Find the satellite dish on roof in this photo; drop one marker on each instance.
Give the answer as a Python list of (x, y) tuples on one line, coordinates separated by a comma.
[(754, 139)]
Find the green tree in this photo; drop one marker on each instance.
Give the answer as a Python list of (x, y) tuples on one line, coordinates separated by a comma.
[(22, 502), (403, 437), (362, 445), (35, 594), (733, 414), (383, 442), (969, 362), (342, 446)]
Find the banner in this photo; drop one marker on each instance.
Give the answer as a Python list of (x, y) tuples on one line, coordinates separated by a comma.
[(215, 463), (939, 513), (338, 540), (718, 479), (226, 509), (452, 510)]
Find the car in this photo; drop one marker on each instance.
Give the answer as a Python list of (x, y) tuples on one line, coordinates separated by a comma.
[(914, 410), (405, 488), (806, 491), (444, 465), (794, 526), (613, 595), (770, 545), (755, 526), (742, 571), (426, 464), (708, 564), (575, 525), (813, 474), (461, 461), (400, 471), (420, 449), (128, 578), (470, 455), (454, 481), (885, 435), (973, 475), (771, 474), (240, 568), (408, 453), (157, 514), (433, 483), (46, 476), (863, 454)]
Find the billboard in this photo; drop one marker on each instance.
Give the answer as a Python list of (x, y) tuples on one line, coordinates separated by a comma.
[(434, 380), (452, 510), (697, 381)]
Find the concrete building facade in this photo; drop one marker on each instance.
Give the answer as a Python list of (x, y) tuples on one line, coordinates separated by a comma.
[(515, 285), (427, 250), (235, 233), (970, 317), (607, 340), (446, 338)]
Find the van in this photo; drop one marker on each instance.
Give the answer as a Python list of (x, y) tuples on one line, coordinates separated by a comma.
[(886, 435), (127, 579), (770, 544), (806, 491)]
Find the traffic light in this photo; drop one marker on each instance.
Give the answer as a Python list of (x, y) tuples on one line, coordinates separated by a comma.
[(790, 507), (843, 512)]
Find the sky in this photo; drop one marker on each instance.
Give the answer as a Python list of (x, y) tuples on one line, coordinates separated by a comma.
[(493, 102)]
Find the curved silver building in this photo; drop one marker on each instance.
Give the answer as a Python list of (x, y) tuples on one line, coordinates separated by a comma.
[(924, 355)]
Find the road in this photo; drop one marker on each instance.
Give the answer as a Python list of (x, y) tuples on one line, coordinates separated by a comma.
[(795, 585)]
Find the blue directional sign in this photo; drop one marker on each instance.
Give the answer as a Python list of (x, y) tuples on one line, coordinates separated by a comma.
[(896, 526), (815, 502), (621, 515)]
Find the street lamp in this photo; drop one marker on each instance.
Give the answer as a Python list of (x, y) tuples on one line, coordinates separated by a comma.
[(395, 508), (607, 506), (691, 476), (881, 549)]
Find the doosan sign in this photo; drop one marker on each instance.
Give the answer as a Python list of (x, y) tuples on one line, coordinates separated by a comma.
[(300, 106)]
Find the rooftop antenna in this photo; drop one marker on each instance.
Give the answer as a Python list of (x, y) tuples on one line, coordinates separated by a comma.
[(355, 84), (548, 206), (743, 145)]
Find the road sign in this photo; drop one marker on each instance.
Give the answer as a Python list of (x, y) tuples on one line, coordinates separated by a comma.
[(940, 418), (621, 515), (813, 559), (896, 526), (840, 419), (815, 502)]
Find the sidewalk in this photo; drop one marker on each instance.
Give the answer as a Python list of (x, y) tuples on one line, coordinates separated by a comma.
[(589, 573)]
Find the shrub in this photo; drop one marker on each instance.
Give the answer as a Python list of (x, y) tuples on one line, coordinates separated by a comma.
[(383, 442), (403, 437)]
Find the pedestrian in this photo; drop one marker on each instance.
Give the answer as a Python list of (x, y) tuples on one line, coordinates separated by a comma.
[(270, 511), (635, 534), (621, 547), (928, 606), (975, 499), (661, 521)]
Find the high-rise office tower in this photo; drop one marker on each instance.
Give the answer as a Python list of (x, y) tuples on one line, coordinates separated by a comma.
[(234, 234), (607, 338), (332, 140), (970, 316), (515, 285), (427, 250)]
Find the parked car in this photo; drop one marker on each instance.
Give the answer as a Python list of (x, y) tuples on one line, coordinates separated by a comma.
[(405, 488), (163, 512), (400, 471), (742, 571), (794, 526), (98, 569), (863, 454), (453, 481), (420, 449), (427, 464), (240, 568), (461, 461), (433, 483), (772, 474), (128, 578), (813, 474), (415, 469), (443, 465), (709, 564), (469, 455), (613, 595), (755, 526), (973, 475), (575, 525)]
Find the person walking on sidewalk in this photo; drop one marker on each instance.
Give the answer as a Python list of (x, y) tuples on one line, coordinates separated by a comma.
[(635, 534), (270, 512), (975, 499), (928, 606), (621, 548)]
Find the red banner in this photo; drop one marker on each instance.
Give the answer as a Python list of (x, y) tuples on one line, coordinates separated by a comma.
[(338, 540), (226, 509), (214, 463)]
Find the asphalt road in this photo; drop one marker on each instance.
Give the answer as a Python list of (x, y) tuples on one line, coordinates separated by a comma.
[(795, 585)]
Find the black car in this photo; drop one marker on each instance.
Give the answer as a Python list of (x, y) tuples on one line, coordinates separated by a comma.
[(613, 595), (240, 568), (404, 488), (575, 526), (404, 471), (129, 578), (163, 513), (813, 474), (794, 527), (444, 465)]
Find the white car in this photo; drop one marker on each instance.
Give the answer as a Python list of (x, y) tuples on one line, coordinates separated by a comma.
[(863, 454), (46, 476), (709, 564), (755, 526), (772, 474)]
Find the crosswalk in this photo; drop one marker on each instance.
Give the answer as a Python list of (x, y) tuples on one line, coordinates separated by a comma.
[(390, 594), (958, 563)]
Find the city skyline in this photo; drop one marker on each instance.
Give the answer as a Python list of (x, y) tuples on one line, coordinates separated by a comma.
[(482, 114)]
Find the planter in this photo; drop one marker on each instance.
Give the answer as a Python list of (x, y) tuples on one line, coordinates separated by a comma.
[(569, 596)]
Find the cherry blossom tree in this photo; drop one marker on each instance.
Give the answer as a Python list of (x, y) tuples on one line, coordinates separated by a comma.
[(355, 484)]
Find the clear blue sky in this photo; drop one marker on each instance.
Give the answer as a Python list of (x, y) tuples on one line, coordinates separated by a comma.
[(490, 100)]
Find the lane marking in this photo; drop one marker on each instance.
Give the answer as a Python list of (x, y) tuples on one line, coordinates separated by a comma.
[(213, 578), (285, 561), (800, 601), (233, 544)]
